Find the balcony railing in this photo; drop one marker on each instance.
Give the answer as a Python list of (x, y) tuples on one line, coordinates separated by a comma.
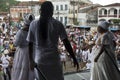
[(115, 15), (102, 15), (112, 15)]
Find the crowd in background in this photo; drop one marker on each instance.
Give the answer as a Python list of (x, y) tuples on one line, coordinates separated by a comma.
[(82, 41)]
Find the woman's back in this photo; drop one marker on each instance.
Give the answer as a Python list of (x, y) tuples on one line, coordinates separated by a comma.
[(55, 30), (20, 39)]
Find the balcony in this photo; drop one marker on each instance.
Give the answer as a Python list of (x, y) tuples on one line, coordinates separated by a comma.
[(102, 15), (115, 15)]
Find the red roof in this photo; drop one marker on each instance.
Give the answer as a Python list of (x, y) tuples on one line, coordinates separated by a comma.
[(114, 4), (28, 3)]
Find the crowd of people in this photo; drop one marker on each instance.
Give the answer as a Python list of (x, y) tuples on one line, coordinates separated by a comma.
[(82, 41)]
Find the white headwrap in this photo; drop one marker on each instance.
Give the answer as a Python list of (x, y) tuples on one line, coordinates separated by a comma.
[(28, 19), (104, 25)]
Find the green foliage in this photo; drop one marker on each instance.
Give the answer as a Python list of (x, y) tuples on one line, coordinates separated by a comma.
[(5, 4), (115, 21)]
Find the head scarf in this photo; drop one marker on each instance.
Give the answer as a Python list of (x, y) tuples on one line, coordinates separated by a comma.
[(104, 25), (28, 19)]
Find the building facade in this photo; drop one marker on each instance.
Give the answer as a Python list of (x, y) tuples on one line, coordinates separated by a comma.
[(61, 11), (109, 12), (23, 8), (88, 15), (65, 11)]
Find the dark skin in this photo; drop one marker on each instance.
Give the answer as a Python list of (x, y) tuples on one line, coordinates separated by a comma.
[(101, 31), (67, 46), (25, 28), (70, 50)]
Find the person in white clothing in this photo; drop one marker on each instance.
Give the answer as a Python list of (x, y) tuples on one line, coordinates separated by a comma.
[(5, 65), (63, 58), (43, 37)]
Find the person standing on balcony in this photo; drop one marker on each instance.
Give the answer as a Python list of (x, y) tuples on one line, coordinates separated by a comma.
[(43, 39), (105, 64), (21, 70)]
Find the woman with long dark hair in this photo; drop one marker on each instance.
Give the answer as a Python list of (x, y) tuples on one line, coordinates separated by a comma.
[(43, 39)]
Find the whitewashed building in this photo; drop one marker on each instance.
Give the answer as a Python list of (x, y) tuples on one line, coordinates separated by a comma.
[(67, 10), (88, 15), (61, 11), (108, 12), (64, 10)]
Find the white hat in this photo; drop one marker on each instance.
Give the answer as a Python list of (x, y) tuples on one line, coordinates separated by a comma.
[(28, 19), (104, 25)]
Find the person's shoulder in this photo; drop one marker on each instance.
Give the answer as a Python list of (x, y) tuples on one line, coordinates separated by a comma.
[(34, 22), (56, 21)]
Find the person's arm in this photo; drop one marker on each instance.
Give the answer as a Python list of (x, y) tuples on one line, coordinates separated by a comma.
[(104, 42), (32, 63), (70, 50), (31, 51), (99, 54)]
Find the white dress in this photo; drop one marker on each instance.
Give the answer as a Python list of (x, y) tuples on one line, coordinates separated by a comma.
[(20, 70), (104, 68), (47, 57)]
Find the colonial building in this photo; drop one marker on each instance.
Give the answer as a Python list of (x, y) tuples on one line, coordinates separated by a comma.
[(74, 9), (87, 15), (109, 12), (66, 11), (19, 11), (61, 11)]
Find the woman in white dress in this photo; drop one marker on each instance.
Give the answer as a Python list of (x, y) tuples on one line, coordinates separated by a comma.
[(21, 70), (105, 66), (43, 36)]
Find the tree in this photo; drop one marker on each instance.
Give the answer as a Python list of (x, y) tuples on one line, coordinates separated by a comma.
[(5, 4)]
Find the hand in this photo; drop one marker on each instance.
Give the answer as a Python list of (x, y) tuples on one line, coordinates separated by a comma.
[(32, 64), (76, 64)]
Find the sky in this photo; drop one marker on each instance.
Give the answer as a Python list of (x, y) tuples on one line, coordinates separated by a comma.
[(102, 2)]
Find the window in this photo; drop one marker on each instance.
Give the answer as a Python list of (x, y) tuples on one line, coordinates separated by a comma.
[(61, 7), (105, 12), (61, 19), (115, 11), (65, 20), (66, 7), (100, 12), (57, 7), (57, 18)]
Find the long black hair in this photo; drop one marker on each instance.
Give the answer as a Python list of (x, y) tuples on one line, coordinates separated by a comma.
[(46, 12)]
